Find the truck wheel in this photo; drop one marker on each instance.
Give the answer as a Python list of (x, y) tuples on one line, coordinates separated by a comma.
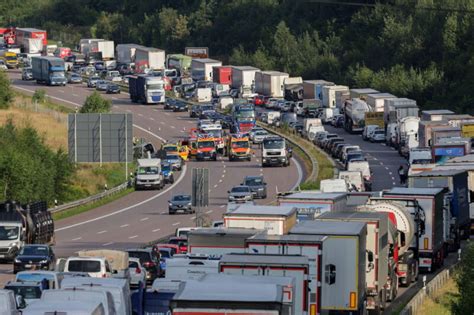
[(171, 181)]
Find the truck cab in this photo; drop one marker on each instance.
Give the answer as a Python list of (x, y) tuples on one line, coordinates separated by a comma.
[(11, 59), (149, 174), (275, 152), (238, 147), (147, 89)]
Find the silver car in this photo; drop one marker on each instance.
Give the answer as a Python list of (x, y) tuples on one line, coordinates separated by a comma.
[(101, 85), (137, 272), (259, 136), (240, 194)]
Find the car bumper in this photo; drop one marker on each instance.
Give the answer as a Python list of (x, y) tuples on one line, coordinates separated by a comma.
[(205, 156), (7, 253), (177, 208), (274, 160), (33, 266), (149, 185), (259, 193)]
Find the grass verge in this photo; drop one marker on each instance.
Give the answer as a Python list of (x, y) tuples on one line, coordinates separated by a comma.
[(440, 302), (84, 208)]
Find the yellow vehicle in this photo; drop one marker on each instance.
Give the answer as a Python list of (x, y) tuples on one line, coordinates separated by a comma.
[(206, 148), (183, 152), (238, 147), (170, 148), (10, 58)]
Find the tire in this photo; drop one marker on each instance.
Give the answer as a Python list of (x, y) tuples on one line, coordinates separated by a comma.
[(171, 212), (171, 180)]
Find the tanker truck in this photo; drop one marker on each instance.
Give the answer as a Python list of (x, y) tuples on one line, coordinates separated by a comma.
[(24, 224)]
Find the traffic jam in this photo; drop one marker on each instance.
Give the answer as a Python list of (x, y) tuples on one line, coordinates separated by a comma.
[(343, 248)]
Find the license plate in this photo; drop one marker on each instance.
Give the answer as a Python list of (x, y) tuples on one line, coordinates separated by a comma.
[(2, 256), (27, 266), (147, 185)]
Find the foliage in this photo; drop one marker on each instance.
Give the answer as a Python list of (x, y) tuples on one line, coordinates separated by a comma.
[(6, 93), (96, 104), (39, 96), (465, 303)]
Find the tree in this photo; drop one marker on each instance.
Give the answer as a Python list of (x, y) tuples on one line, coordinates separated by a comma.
[(285, 48), (465, 302), (6, 93), (96, 104)]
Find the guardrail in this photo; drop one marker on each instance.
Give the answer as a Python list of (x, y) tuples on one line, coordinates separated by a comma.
[(89, 199)]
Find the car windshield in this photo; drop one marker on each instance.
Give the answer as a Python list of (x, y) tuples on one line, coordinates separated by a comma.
[(240, 189), (34, 277), (355, 156), (379, 132), (27, 292), (273, 144), (171, 157), (165, 253), (170, 148), (240, 144), (34, 251), (58, 74), (84, 266), (216, 133), (261, 133), (133, 264), (8, 233), (253, 181), (182, 198), (421, 161), (143, 256), (206, 144), (178, 242), (148, 170)]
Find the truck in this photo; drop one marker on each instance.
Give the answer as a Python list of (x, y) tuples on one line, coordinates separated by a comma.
[(419, 160), (243, 117), (275, 152), (32, 45), (146, 89), (24, 224), (343, 268), (106, 47), (238, 147), (23, 33), (374, 118), (148, 174), (206, 148), (180, 62), (202, 68), (85, 42), (312, 122), (467, 130), (362, 93), (329, 94), (456, 182), (310, 108), (309, 205), (444, 132), (397, 108), (376, 101), (275, 220), (313, 89), (333, 185), (449, 148), (203, 95), (293, 89), (243, 76), (48, 70), (272, 116), (435, 115), (381, 273), (407, 135), (222, 75), (125, 53), (147, 58), (354, 180), (270, 83), (354, 113), (10, 59), (264, 265)]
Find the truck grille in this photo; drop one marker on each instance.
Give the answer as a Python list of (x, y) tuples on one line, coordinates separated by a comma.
[(3, 250), (273, 153)]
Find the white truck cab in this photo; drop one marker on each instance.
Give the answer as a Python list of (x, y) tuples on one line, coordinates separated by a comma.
[(148, 175), (96, 267), (275, 152)]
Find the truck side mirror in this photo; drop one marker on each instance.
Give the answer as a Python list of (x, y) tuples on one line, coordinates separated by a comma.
[(330, 274), (370, 256)]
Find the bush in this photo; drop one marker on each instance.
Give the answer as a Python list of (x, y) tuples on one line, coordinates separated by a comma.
[(6, 93), (465, 283), (96, 104), (39, 96)]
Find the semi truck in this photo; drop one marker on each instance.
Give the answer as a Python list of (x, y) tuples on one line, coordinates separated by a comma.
[(362, 93), (180, 62), (32, 45), (435, 115), (310, 205), (275, 152), (354, 113), (313, 89), (146, 89), (222, 75), (126, 53), (147, 58), (201, 68), (329, 94), (243, 76), (407, 135), (48, 70), (24, 33), (376, 101), (270, 83), (24, 224)]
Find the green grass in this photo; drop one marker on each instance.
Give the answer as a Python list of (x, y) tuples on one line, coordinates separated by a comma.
[(84, 208), (47, 103), (440, 302)]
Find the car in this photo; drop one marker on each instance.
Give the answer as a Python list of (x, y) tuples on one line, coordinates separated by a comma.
[(377, 135), (92, 82), (74, 78), (175, 161), (167, 171), (194, 111), (271, 103), (27, 74), (180, 202), (259, 136), (113, 76), (169, 103), (34, 257), (240, 193), (257, 186), (368, 129), (347, 150), (253, 131), (148, 259), (298, 127), (354, 156), (181, 242), (3, 65), (180, 106), (338, 150), (258, 100), (137, 272), (112, 88), (101, 85)]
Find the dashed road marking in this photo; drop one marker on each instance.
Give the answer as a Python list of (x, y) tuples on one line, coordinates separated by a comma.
[(176, 223), (151, 118), (141, 115), (215, 185), (144, 219), (393, 178), (220, 180), (134, 236), (390, 173), (155, 230), (162, 122), (192, 218), (261, 170), (224, 171), (224, 164), (223, 175), (107, 244), (375, 159), (164, 212), (75, 95), (209, 211), (381, 163), (167, 114), (394, 183), (124, 225), (76, 239), (172, 127), (61, 91), (102, 232), (222, 206), (386, 168)]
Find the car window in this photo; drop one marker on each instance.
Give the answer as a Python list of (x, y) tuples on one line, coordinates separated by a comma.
[(133, 264), (240, 189), (34, 251), (143, 256), (84, 266), (27, 292), (181, 198)]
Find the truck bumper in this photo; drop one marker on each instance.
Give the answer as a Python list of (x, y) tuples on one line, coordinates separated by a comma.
[(239, 156), (274, 161), (143, 186), (8, 253)]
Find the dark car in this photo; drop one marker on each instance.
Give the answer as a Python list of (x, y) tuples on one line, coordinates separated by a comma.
[(92, 82), (34, 257), (257, 186), (167, 171), (74, 78), (148, 259), (182, 243), (194, 111), (169, 103), (180, 106), (112, 89), (180, 203)]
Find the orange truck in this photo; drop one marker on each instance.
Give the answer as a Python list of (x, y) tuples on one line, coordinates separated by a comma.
[(206, 148), (238, 147)]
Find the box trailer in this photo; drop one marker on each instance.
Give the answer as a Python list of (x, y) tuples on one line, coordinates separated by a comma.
[(343, 266), (313, 89), (263, 265), (202, 68), (243, 76), (458, 120), (222, 75), (398, 108), (362, 93), (444, 132), (32, 45), (275, 220), (270, 83), (125, 53), (149, 58), (376, 101), (435, 114), (329, 94), (48, 70), (425, 128), (24, 33), (216, 242), (449, 148), (106, 47), (310, 205), (85, 42)]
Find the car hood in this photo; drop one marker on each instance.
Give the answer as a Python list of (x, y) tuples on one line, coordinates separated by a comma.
[(180, 203), (27, 258)]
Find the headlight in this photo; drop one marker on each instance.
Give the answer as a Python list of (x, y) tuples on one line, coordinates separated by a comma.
[(14, 244), (44, 261), (169, 203), (17, 261), (231, 197), (189, 204), (260, 189)]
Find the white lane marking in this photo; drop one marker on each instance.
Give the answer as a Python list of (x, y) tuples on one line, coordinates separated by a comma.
[(172, 127), (61, 91), (386, 168), (50, 96), (381, 163), (209, 211), (192, 218), (102, 232), (222, 206), (300, 174), (225, 166), (76, 239), (393, 178), (140, 115), (128, 110), (375, 159), (257, 160), (223, 175), (215, 185), (167, 114), (176, 223), (390, 173), (75, 95), (151, 118), (125, 225), (162, 122), (148, 131), (164, 212), (155, 230), (181, 177), (107, 244), (134, 236), (223, 171), (394, 183), (220, 180), (261, 170), (144, 219), (115, 98)]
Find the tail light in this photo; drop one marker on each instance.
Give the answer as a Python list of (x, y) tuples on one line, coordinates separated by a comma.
[(138, 270), (149, 264), (104, 275), (183, 248)]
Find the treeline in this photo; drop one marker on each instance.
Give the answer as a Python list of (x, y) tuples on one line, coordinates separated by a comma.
[(412, 48)]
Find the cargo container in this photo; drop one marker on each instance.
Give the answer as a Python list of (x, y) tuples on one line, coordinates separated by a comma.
[(329, 94), (376, 101), (243, 76), (149, 58), (125, 53), (398, 108), (444, 132), (222, 75), (431, 243), (458, 120), (341, 98), (264, 265), (24, 33), (216, 242), (467, 130), (449, 148), (343, 266), (313, 89), (354, 113), (381, 274), (146, 89), (362, 93), (270, 83), (310, 205), (456, 182), (180, 62), (32, 45), (424, 131), (202, 68), (435, 114), (276, 220), (48, 70)]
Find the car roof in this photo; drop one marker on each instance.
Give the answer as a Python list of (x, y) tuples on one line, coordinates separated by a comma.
[(253, 176), (186, 195)]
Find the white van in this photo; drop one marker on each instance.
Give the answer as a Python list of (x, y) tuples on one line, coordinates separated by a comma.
[(368, 130), (354, 180), (80, 294), (54, 278), (113, 76), (96, 267), (8, 303), (64, 307)]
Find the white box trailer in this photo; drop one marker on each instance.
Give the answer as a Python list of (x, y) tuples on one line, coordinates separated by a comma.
[(106, 47), (85, 42), (329, 94), (201, 68), (435, 114), (270, 83), (276, 220), (125, 53), (313, 89), (149, 58), (310, 205), (376, 101), (243, 76), (397, 108), (341, 98), (32, 45)]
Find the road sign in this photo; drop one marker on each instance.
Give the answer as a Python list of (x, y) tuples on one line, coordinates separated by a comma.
[(200, 189), (197, 52)]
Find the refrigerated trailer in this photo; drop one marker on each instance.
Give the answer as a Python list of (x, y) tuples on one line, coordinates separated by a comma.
[(310, 205), (202, 68), (149, 58), (270, 83), (125, 53), (243, 76), (313, 89)]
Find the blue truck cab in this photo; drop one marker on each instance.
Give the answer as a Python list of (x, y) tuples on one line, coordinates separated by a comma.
[(49, 70)]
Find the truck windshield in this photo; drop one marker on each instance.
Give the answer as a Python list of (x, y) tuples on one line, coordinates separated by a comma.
[(171, 148), (59, 74), (240, 144), (27, 292), (8, 233), (216, 133), (206, 144), (273, 144), (154, 86), (149, 170), (11, 58), (246, 114)]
